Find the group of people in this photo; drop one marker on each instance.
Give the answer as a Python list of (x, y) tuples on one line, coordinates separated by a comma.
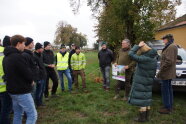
[(140, 66), (25, 74)]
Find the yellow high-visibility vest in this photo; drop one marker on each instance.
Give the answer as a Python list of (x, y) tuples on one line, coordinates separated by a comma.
[(2, 83), (62, 61), (78, 62)]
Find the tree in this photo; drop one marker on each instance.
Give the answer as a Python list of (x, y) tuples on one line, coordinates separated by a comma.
[(66, 34), (133, 19), (96, 46)]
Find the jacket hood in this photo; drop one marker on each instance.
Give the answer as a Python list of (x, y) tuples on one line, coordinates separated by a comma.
[(9, 50), (151, 53)]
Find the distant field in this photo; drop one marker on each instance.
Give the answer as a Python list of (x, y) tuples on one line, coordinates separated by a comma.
[(98, 106)]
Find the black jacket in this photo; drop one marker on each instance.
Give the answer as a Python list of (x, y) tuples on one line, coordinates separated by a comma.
[(105, 57), (48, 58), (70, 55), (31, 62), (40, 65), (18, 75)]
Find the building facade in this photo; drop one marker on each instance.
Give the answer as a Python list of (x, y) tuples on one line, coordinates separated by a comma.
[(177, 28)]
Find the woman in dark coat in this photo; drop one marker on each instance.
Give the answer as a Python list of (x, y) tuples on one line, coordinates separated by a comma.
[(141, 91)]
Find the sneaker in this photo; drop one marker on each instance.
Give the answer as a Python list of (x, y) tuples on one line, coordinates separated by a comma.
[(164, 111), (116, 97)]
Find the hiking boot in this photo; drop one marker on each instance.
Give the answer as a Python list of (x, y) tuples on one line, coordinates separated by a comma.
[(46, 98), (41, 106), (76, 91), (164, 111), (107, 89), (141, 117), (85, 90), (54, 95), (70, 91), (116, 97), (125, 98), (104, 87)]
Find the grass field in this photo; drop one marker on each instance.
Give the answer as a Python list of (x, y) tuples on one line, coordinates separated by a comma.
[(98, 106)]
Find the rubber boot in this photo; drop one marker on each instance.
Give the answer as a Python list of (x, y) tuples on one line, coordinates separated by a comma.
[(147, 114), (142, 117)]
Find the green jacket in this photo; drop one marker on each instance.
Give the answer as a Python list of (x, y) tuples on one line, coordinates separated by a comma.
[(78, 61), (141, 91), (124, 59)]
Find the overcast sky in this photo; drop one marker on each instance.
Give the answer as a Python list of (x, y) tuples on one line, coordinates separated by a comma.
[(38, 18)]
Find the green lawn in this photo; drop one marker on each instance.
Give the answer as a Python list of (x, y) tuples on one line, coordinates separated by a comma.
[(98, 106)]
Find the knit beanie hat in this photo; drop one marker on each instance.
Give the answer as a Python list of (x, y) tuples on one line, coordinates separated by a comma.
[(46, 43), (6, 41), (103, 43), (28, 41), (38, 46), (77, 47), (63, 46)]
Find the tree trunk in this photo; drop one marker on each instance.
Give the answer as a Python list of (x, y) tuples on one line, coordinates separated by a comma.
[(129, 31)]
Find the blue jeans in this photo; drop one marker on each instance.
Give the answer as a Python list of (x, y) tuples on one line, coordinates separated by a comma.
[(167, 93), (24, 103), (106, 76), (6, 107), (40, 87), (68, 75)]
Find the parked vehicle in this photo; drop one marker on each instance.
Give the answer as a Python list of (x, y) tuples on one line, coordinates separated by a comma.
[(179, 83)]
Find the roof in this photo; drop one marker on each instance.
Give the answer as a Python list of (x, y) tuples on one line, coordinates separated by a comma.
[(179, 22)]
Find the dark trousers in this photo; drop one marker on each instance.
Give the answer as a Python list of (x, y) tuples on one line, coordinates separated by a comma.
[(40, 87), (127, 83), (167, 93), (51, 74), (72, 76), (6, 108), (82, 74)]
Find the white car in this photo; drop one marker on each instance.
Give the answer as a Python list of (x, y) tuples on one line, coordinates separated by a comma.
[(179, 83)]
